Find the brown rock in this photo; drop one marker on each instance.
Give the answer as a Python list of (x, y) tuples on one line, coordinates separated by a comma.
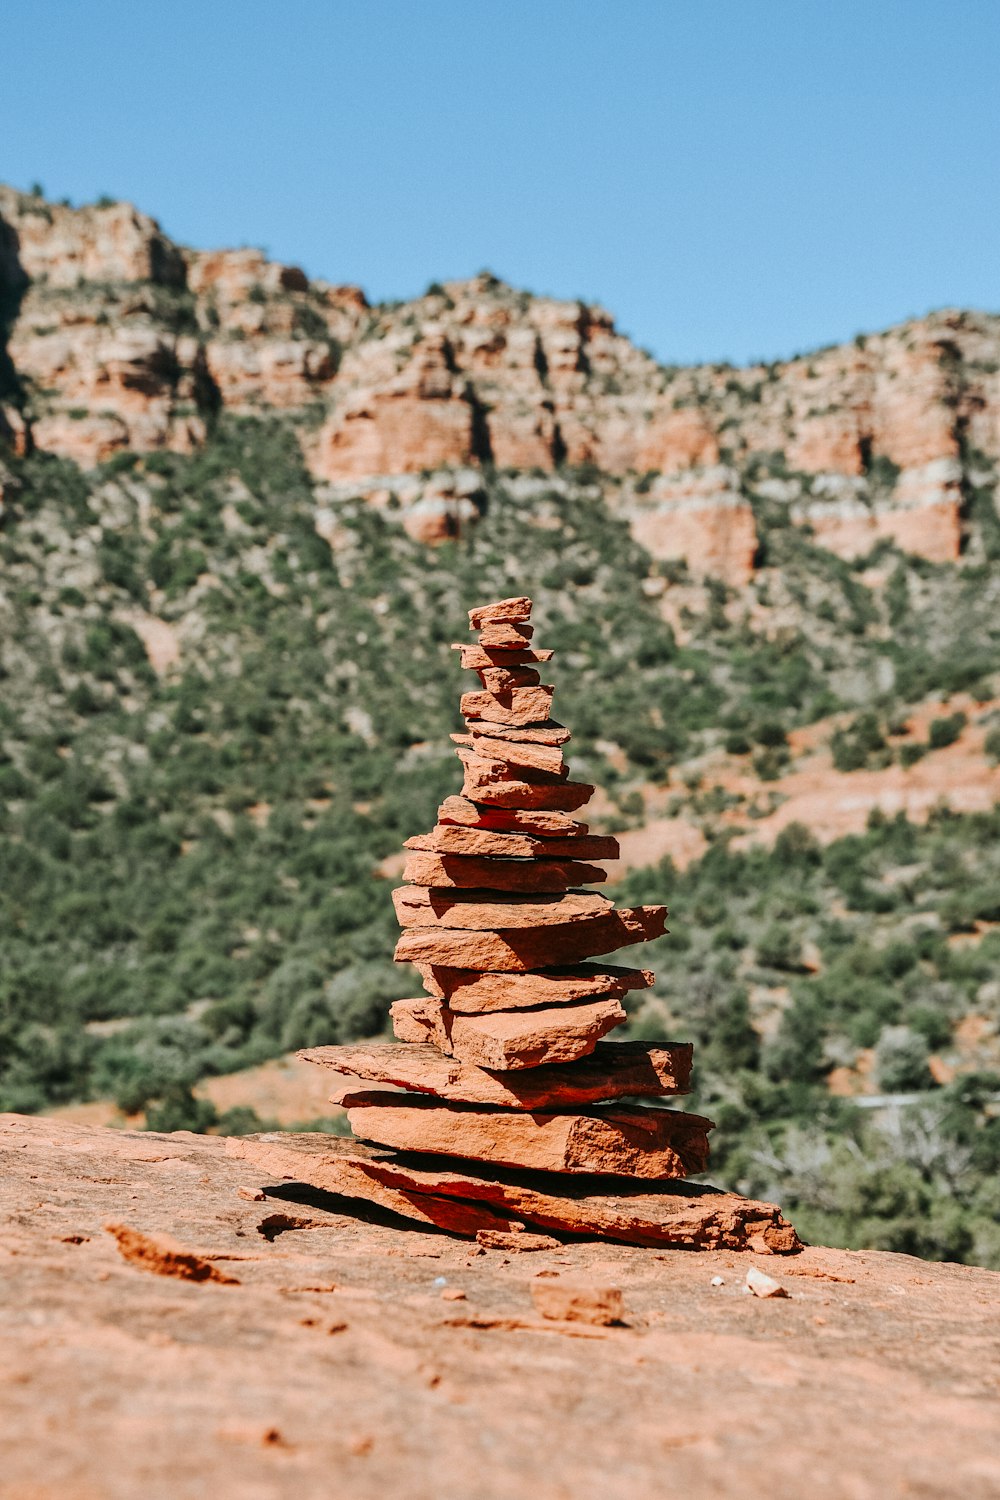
[(469, 992), (570, 1301), (505, 637), (504, 609), (680, 1214), (477, 658), (618, 1141), (508, 1039), (461, 870), (502, 679), (517, 1241), (549, 733), (465, 813), (491, 781), (348, 1173), (613, 1070), (449, 838), (524, 754), (519, 706), (518, 951), (416, 906)]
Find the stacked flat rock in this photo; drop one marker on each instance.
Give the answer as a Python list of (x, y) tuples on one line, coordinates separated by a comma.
[(505, 1075)]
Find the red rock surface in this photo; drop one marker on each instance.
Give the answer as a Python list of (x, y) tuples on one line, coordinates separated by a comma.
[(539, 821), (610, 1072), (118, 1383), (617, 1141)]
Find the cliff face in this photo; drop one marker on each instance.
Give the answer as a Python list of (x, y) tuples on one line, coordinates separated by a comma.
[(120, 339)]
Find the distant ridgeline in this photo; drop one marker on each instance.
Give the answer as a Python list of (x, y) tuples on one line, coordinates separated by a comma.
[(121, 341), (222, 708)]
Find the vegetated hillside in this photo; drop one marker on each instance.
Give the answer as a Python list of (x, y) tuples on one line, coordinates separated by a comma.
[(189, 856)]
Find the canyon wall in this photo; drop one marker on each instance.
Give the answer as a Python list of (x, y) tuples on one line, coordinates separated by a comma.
[(118, 339)]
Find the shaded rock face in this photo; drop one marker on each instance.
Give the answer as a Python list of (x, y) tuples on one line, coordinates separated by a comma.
[(121, 339)]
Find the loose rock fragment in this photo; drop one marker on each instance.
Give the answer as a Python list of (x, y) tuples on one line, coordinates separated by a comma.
[(513, 951), (578, 1302), (762, 1285)]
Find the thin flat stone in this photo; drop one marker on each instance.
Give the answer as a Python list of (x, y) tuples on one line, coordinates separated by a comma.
[(468, 814), (633, 1141), (449, 838), (533, 948), (518, 608), (416, 906), (508, 1039), (492, 782), (469, 992), (530, 705), (462, 871), (612, 1071), (505, 635), (666, 1215), (532, 757), (549, 733), (475, 657), (345, 1173)]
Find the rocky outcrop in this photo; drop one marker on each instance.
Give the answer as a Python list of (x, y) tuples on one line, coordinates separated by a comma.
[(120, 338)]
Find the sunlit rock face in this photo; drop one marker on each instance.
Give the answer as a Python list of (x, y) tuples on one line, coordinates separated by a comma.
[(120, 339)]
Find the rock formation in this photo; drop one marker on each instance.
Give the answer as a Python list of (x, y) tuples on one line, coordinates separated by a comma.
[(119, 339), (504, 1073)]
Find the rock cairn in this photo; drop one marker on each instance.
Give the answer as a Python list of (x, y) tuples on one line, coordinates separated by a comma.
[(505, 1101)]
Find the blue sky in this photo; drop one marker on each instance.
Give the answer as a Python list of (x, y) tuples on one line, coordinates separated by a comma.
[(732, 178)]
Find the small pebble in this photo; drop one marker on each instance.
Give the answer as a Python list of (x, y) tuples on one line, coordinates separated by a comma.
[(717, 1281)]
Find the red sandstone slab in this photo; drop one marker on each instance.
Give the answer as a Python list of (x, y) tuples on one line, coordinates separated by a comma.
[(618, 1141), (529, 705), (611, 1071), (538, 948), (416, 906), (346, 1175), (549, 733), (475, 657), (461, 871), (663, 1215), (468, 814), (448, 838), (518, 608), (492, 782), (504, 635), (508, 1039), (523, 754), (678, 1215), (503, 679), (469, 992)]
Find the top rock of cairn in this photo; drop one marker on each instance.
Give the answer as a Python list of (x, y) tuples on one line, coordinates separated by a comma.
[(506, 1069)]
